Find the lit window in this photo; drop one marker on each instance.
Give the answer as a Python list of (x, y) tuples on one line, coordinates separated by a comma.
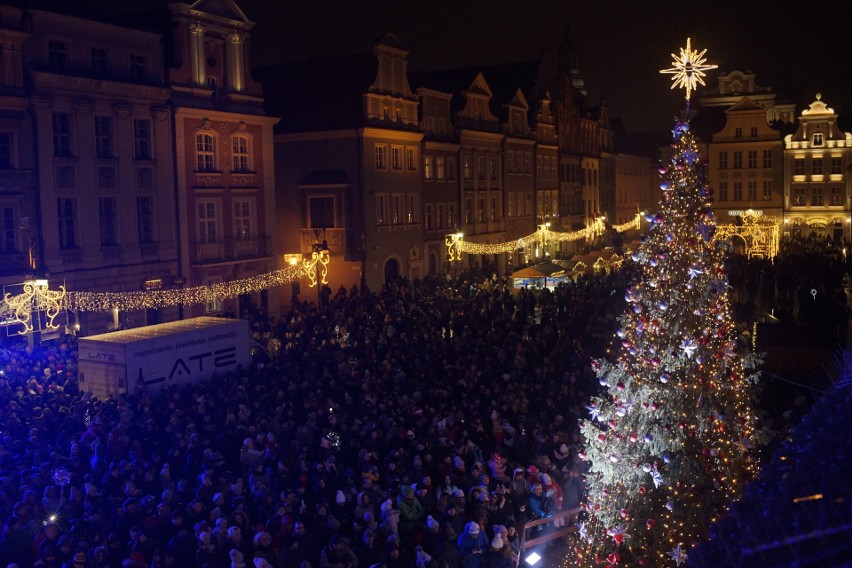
[(427, 167), (396, 157), (439, 168), (836, 196), (410, 159), (381, 210), (818, 139), (411, 209), (798, 196), (816, 196), (205, 152), (381, 156), (241, 154)]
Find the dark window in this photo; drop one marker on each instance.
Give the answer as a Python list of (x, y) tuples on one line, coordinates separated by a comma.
[(142, 138), (100, 63), (106, 208), (322, 212), (145, 219), (6, 151), (57, 53), (61, 134), (7, 231), (66, 214)]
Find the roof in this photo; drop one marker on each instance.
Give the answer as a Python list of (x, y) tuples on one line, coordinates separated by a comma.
[(540, 270), (144, 333)]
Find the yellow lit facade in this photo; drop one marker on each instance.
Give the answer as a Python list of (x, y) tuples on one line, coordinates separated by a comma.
[(818, 185)]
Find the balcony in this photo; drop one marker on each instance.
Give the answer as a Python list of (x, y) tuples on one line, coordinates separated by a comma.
[(335, 239), (229, 250)]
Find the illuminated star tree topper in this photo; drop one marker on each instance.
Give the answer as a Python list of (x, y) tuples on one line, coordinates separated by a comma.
[(688, 68)]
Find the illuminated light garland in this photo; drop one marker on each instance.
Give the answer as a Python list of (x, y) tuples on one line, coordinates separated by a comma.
[(761, 235), (457, 245), (152, 299), (35, 298), (318, 268)]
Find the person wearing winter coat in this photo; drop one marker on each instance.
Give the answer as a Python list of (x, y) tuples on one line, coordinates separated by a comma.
[(496, 556), (472, 544)]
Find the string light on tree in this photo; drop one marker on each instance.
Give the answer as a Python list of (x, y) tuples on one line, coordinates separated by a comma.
[(676, 402)]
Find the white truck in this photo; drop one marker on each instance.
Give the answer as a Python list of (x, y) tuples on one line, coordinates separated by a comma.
[(162, 355)]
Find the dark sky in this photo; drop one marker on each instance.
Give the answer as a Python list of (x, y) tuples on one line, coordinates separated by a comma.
[(622, 44)]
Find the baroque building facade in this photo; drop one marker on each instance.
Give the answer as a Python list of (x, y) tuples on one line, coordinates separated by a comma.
[(134, 155)]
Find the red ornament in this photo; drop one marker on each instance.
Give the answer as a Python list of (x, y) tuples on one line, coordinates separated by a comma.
[(650, 523), (613, 559), (612, 423), (642, 490), (620, 386), (633, 437), (625, 513), (601, 438)]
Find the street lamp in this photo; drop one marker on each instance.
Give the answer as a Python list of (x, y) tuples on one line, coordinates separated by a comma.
[(319, 262)]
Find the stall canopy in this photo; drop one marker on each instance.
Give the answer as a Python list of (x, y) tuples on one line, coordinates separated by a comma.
[(543, 275)]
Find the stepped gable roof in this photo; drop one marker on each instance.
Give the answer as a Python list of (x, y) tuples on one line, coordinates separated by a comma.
[(319, 94), (798, 512), (503, 79)]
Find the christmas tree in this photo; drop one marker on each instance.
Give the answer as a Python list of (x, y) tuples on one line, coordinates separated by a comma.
[(669, 440)]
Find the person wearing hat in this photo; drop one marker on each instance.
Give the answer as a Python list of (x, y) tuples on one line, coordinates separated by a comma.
[(472, 545), (79, 560), (446, 552), (496, 556)]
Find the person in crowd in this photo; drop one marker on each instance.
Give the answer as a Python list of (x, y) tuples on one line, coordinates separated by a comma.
[(472, 545)]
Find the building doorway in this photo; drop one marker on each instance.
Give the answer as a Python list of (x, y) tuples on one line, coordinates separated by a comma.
[(391, 270)]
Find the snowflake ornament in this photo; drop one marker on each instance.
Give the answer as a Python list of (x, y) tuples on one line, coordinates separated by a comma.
[(678, 554)]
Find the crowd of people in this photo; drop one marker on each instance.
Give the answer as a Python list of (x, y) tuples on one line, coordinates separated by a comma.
[(414, 427), (421, 426)]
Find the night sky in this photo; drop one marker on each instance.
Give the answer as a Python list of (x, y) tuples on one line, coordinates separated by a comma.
[(621, 44)]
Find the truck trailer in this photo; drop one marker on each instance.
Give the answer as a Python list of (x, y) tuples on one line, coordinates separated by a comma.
[(159, 356)]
